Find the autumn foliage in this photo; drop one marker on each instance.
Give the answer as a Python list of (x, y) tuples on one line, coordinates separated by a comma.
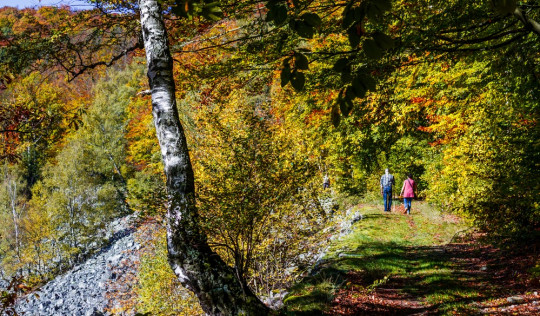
[(272, 98)]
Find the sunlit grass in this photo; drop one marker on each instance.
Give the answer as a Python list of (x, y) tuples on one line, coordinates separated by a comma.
[(392, 246)]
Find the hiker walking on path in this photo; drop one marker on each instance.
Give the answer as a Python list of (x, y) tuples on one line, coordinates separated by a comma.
[(387, 181), (408, 192)]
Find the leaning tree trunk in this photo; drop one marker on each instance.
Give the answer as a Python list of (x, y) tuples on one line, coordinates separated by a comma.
[(199, 268)]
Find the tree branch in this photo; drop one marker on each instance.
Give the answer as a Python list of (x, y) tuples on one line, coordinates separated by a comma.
[(84, 68), (481, 39), (473, 49), (529, 23)]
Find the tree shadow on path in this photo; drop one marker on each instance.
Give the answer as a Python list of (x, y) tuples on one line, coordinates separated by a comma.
[(384, 278)]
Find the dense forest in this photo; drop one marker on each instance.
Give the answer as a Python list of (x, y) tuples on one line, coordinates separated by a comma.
[(253, 104)]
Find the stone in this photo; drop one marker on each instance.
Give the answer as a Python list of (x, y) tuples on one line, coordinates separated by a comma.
[(357, 217), (349, 255), (91, 312), (81, 291), (114, 259), (515, 299), (44, 305)]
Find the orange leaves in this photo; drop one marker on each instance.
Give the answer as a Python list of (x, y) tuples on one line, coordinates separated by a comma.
[(317, 115), (35, 23), (417, 99), (32, 111), (426, 102), (142, 143)]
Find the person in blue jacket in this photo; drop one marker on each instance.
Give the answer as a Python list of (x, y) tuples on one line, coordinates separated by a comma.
[(387, 182)]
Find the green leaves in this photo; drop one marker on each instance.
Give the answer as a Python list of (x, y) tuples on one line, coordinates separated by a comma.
[(302, 28), (285, 75), (345, 104), (371, 49), (334, 115), (304, 25), (383, 41), (356, 82), (311, 19), (383, 5), (277, 12), (294, 76), (354, 35), (359, 87), (298, 79), (368, 81), (361, 82), (354, 18), (353, 15), (212, 11), (341, 65), (373, 10), (374, 48), (190, 8), (301, 61)]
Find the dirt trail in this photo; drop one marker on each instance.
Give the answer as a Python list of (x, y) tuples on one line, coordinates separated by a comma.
[(481, 280)]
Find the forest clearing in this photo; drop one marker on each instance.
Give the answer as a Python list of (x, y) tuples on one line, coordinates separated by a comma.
[(190, 157)]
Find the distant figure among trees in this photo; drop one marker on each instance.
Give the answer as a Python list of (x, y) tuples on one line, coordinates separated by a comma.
[(387, 182), (326, 182), (408, 191)]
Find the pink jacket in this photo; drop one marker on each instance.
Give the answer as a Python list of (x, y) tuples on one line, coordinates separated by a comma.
[(409, 186)]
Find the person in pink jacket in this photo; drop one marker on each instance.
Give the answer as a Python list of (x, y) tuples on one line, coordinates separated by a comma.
[(408, 192)]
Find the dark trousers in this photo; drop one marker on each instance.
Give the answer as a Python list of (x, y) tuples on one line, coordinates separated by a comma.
[(387, 197)]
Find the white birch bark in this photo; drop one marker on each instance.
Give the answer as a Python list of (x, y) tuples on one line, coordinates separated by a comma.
[(13, 197), (196, 265)]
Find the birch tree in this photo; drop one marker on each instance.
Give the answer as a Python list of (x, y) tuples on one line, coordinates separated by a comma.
[(198, 267), (12, 207)]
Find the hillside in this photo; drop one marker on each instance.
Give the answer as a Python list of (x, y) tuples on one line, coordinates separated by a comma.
[(92, 287), (428, 263)]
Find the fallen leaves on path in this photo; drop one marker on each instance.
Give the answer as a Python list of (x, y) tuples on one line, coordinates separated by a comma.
[(492, 282)]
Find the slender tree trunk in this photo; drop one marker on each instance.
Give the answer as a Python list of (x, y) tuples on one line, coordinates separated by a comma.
[(196, 265), (12, 189)]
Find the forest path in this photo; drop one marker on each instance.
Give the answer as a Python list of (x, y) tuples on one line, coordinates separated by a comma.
[(394, 264)]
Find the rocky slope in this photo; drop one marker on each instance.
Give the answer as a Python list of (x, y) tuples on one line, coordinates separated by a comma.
[(90, 288), (100, 285)]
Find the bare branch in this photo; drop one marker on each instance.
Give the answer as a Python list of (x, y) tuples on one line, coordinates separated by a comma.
[(529, 23), (482, 48), (144, 92), (480, 39), (84, 68)]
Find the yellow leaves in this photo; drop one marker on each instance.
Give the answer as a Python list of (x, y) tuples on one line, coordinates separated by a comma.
[(159, 292)]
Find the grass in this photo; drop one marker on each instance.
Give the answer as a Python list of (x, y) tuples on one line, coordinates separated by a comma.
[(399, 258)]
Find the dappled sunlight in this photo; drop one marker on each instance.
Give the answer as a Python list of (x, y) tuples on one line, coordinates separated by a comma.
[(420, 275)]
